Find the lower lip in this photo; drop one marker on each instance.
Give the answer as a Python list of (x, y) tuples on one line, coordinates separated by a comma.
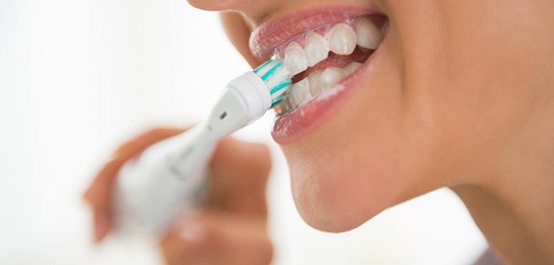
[(299, 123)]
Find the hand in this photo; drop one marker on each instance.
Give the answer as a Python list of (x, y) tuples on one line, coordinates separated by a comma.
[(231, 228)]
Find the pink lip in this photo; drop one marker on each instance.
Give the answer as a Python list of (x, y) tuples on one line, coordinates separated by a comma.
[(266, 38)]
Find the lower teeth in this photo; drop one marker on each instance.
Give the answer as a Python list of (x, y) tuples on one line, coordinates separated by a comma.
[(310, 87)]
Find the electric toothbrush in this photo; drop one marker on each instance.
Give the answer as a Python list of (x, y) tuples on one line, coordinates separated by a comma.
[(165, 180)]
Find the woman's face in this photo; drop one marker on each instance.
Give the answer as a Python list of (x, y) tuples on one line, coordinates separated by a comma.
[(443, 92)]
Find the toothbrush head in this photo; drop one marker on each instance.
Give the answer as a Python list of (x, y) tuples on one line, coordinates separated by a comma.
[(277, 77), (248, 97)]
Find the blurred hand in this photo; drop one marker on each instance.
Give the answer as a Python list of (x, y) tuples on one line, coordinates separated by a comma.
[(231, 228)]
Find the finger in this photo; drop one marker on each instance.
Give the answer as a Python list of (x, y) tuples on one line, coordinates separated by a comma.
[(103, 180), (239, 176), (101, 225), (215, 238), (98, 195), (143, 141), (99, 192)]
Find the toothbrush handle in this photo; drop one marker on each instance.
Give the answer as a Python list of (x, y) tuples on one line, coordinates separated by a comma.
[(164, 182)]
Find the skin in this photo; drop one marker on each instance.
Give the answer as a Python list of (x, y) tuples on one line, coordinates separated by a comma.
[(462, 97), (231, 228)]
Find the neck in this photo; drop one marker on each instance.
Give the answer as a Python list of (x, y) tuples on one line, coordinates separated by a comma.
[(512, 197)]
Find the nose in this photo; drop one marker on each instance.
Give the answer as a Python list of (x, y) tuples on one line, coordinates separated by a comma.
[(255, 10)]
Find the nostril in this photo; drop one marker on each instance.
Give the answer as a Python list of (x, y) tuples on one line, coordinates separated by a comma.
[(212, 5), (251, 8)]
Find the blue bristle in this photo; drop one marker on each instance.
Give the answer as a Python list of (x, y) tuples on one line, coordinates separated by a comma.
[(276, 101), (279, 87), (272, 71), (262, 66), (278, 91)]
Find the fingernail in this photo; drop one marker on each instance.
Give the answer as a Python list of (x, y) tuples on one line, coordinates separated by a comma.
[(101, 227)]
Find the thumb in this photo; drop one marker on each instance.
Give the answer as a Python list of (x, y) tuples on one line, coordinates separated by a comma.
[(239, 174)]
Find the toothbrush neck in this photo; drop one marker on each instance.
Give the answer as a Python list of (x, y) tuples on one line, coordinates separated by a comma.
[(211, 133)]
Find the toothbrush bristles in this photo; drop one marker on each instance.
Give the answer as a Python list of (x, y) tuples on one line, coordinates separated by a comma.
[(277, 77)]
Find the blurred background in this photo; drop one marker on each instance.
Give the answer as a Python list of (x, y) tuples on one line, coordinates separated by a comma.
[(79, 77)]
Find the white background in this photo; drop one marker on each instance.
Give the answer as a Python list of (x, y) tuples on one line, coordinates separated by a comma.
[(78, 77)]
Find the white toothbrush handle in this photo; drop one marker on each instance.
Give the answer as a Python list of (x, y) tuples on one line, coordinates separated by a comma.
[(163, 183)]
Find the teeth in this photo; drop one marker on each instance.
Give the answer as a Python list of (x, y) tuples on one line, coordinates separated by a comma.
[(315, 83), (301, 92), (316, 50), (295, 59), (369, 36), (285, 105), (331, 76), (310, 87), (352, 67), (342, 39)]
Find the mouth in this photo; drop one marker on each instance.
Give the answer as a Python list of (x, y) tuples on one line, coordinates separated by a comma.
[(326, 50)]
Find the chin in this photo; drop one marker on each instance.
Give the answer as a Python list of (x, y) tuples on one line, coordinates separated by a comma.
[(333, 200), (327, 207), (334, 188)]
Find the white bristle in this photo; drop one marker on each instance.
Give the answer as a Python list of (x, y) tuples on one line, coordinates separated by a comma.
[(278, 94), (280, 76), (266, 68)]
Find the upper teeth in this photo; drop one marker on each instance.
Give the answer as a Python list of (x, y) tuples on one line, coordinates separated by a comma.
[(369, 36), (295, 59), (341, 39), (316, 48)]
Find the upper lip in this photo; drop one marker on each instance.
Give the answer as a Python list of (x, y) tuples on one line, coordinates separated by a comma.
[(275, 32)]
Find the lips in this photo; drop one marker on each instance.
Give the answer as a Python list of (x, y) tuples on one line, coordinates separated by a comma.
[(326, 49)]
